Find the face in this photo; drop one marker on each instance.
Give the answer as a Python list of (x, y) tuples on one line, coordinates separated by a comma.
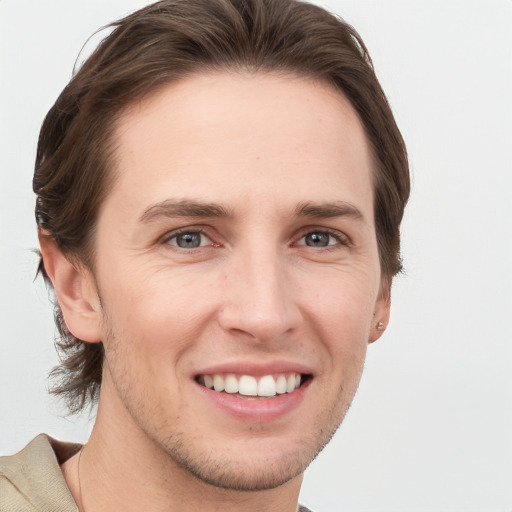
[(237, 270)]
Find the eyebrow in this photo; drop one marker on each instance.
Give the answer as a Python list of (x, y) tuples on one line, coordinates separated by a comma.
[(183, 208), (171, 208), (328, 210)]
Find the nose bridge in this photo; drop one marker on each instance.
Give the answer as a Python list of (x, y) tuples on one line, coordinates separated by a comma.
[(259, 298)]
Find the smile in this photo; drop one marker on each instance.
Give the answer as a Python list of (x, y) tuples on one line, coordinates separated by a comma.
[(250, 386)]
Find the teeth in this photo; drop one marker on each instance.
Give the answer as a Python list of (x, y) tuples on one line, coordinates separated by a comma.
[(281, 384), (218, 383), (267, 386), (247, 385), (290, 383), (208, 381), (231, 384)]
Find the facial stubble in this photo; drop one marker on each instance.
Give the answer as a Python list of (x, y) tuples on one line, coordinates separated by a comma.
[(183, 449)]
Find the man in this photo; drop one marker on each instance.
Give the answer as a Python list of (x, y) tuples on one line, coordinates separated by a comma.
[(219, 194)]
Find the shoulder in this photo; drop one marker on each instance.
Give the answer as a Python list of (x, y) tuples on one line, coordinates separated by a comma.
[(31, 480)]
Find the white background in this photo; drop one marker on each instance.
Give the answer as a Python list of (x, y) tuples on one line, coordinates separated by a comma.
[(431, 426)]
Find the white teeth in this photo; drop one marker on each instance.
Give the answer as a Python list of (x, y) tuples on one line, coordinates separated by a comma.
[(266, 386), (218, 383), (281, 384), (290, 383), (231, 384), (248, 385)]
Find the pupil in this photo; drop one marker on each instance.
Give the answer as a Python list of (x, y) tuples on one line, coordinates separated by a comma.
[(189, 240), (317, 240)]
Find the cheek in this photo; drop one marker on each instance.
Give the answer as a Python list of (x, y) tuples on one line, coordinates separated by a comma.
[(157, 321), (155, 295), (346, 300), (342, 313)]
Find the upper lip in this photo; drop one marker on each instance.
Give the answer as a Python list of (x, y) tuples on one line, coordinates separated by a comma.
[(256, 369)]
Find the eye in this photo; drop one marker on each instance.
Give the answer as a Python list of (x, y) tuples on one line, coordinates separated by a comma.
[(320, 239), (189, 240)]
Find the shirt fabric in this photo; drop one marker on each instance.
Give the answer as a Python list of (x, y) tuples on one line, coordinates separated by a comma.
[(32, 481)]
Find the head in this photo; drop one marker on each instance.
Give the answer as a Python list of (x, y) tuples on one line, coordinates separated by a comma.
[(217, 52)]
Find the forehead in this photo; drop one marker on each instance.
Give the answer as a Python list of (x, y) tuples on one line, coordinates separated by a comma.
[(252, 136)]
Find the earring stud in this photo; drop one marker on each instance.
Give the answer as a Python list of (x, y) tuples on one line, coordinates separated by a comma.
[(380, 326)]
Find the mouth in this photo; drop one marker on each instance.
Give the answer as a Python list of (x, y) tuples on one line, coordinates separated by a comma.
[(253, 387)]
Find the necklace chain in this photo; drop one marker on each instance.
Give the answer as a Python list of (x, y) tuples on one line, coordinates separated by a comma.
[(81, 507)]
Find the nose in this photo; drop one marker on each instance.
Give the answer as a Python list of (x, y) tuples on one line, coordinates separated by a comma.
[(259, 302)]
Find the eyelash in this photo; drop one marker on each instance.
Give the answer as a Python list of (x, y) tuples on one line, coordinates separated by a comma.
[(186, 231), (340, 238)]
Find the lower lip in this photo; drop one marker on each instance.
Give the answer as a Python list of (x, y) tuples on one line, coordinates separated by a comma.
[(256, 410)]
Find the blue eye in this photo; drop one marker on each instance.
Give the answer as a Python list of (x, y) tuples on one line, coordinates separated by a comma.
[(189, 240), (319, 239)]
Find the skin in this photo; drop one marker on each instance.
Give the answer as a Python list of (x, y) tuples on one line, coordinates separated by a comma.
[(285, 160)]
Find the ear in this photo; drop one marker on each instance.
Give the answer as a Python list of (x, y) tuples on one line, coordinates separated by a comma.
[(75, 289), (381, 312)]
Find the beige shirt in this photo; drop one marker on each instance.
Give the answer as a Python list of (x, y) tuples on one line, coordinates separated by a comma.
[(32, 481)]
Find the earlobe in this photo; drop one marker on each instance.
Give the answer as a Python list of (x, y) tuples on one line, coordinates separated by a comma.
[(381, 313), (75, 290)]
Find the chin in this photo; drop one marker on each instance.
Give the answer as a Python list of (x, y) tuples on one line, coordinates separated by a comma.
[(245, 476), (252, 465)]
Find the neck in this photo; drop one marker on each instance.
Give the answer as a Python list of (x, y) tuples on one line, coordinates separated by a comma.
[(121, 469)]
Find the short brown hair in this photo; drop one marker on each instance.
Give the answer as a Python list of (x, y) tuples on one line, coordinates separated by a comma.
[(167, 41)]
